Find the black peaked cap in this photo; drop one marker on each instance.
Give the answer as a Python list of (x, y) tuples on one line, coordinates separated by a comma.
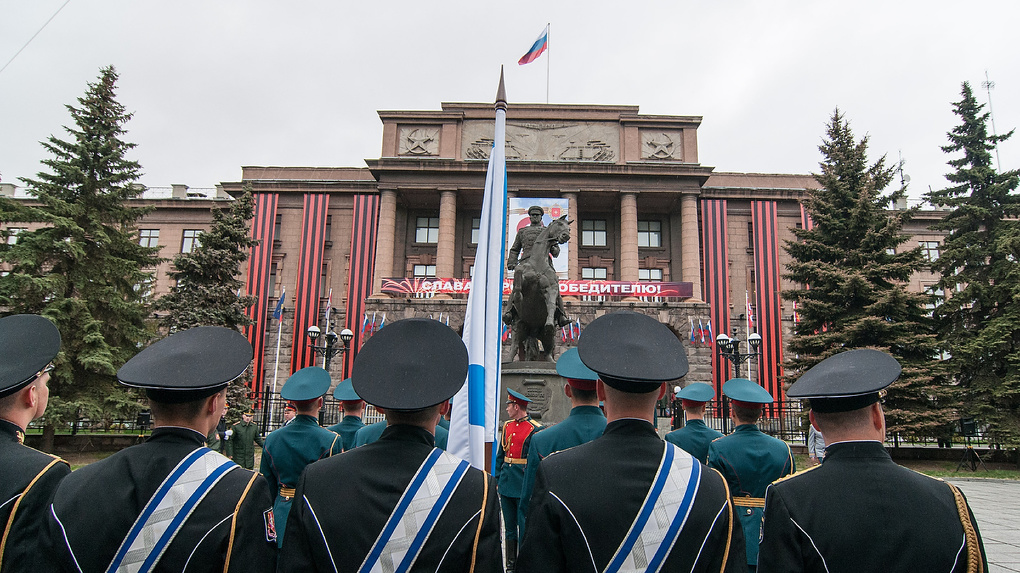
[(411, 364), (28, 342), (847, 381), (188, 365), (632, 352)]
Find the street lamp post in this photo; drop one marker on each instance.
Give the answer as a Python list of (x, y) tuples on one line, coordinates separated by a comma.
[(329, 348), (729, 348)]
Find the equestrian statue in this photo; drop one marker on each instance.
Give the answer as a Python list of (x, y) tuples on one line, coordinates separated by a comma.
[(535, 309)]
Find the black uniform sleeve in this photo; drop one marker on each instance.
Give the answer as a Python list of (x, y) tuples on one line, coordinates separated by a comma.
[(782, 543), (541, 550), (297, 553), (22, 550), (489, 554), (253, 542)]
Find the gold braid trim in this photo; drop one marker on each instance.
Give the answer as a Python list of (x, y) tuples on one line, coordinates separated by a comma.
[(14, 510), (729, 521), (481, 518), (974, 561), (233, 521)]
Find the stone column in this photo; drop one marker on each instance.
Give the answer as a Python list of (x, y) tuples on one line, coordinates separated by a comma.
[(573, 271), (628, 237), (690, 269), (447, 233), (385, 236)]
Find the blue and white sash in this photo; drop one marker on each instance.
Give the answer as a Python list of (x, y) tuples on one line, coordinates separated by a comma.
[(662, 515), (168, 509), (415, 515)]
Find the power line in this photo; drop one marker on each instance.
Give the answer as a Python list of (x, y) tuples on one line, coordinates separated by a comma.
[(34, 35)]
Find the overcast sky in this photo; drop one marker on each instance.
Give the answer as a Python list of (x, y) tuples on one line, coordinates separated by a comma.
[(215, 85)]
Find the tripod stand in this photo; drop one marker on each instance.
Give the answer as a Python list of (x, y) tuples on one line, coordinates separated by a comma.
[(971, 458)]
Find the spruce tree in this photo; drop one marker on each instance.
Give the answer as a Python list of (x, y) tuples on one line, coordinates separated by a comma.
[(855, 272), (207, 290), (84, 268), (978, 262)]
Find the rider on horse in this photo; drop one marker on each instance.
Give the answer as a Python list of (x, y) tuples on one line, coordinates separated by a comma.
[(522, 248)]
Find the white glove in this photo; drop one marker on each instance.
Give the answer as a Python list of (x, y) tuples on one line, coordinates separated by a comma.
[(227, 434)]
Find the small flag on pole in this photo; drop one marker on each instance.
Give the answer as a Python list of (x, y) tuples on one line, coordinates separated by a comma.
[(694, 339), (329, 306), (540, 45), (278, 311), (701, 330), (711, 337)]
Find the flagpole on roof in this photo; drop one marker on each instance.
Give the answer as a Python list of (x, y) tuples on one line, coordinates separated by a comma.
[(548, 60)]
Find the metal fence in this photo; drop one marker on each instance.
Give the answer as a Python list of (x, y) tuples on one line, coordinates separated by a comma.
[(269, 412)]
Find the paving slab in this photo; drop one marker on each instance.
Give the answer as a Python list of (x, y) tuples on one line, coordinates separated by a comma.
[(996, 506)]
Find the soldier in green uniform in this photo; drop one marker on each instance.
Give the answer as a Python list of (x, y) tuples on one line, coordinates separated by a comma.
[(585, 423), (695, 436), (290, 448), (749, 459), (353, 406), (28, 477), (240, 445), (510, 461)]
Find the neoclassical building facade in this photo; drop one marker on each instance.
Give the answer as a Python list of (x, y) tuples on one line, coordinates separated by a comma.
[(654, 230)]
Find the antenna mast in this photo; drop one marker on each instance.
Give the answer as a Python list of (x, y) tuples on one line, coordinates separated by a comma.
[(989, 85)]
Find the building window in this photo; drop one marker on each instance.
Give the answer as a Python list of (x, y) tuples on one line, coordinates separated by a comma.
[(594, 273), (148, 237), (329, 227), (890, 251), (930, 250), (426, 230), (649, 234), (277, 227), (650, 275), (476, 225), (12, 238), (424, 271), (750, 237), (191, 241), (593, 233)]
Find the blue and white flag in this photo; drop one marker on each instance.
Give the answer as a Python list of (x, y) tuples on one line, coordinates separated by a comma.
[(278, 311), (473, 421)]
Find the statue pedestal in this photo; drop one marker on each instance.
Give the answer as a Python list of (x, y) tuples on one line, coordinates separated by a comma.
[(539, 382)]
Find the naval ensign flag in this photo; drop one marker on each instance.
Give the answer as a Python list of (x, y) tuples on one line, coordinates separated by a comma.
[(473, 422)]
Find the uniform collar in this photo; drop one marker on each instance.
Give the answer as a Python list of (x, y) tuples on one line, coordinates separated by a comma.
[(586, 411), (12, 431), (176, 432), (856, 449), (631, 426), (349, 417), (408, 433), (747, 428)]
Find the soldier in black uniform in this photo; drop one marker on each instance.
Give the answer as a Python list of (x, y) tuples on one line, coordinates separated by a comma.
[(403, 503), (859, 510), (28, 477), (628, 500), (169, 504)]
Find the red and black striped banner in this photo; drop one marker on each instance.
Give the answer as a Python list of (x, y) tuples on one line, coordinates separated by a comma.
[(767, 295), (717, 281), (259, 264), (309, 278), (362, 268)]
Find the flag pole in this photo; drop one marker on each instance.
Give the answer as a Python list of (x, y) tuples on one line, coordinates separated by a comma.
[(548, 60)]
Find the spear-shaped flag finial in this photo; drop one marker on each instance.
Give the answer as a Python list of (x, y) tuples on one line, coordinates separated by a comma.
[(501, 92)]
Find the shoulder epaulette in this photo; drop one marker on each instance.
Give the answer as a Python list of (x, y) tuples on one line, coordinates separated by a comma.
[(795, 474)]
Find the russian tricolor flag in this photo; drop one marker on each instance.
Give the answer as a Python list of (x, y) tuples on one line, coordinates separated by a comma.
[(540, 45), (473, 421)]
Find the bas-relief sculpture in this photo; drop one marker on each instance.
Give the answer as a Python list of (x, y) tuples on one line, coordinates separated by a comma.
[(419, 141), (546, 141), (662, 145)]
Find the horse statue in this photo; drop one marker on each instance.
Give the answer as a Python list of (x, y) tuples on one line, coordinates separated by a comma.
[(535, 306)]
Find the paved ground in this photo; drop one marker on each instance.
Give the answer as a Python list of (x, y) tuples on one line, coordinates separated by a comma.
[(996, 504)]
